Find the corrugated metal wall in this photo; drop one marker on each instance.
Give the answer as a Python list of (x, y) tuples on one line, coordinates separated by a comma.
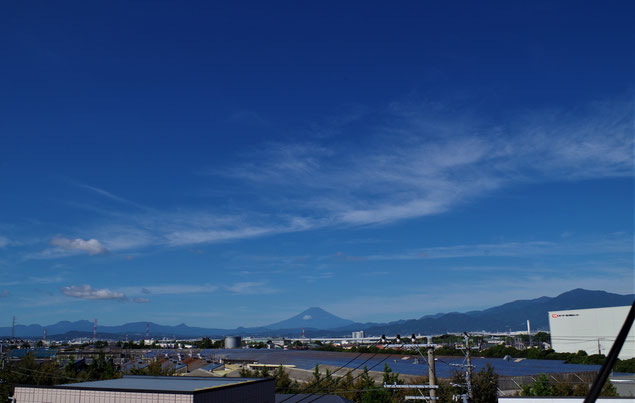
[(46, 395)]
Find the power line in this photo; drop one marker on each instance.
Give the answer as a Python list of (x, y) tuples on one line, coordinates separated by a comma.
[(338, 369), (350, 370), (381, 340), (54, 375), (381, 361), (354, 378)]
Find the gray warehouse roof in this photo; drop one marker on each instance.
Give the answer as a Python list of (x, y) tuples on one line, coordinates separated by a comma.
[(162, 383)]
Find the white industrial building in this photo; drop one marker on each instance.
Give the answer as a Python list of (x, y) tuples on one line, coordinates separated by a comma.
[(591, 330), (164, 389), (358, 335)]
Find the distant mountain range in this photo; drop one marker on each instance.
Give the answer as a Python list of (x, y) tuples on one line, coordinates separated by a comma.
[(317, 322), (507, 317)]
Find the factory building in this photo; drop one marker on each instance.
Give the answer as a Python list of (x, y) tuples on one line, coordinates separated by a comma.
[(358, 335), (590, 330), (159, 389)]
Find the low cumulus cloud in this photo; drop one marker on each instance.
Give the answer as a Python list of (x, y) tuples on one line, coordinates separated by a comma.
[(87, 292), (92, 246)]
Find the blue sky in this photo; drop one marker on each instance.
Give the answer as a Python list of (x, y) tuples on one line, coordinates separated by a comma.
[(225, 165)]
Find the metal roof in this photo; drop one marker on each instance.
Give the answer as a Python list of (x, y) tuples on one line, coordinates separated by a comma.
[(212, 366), (36, 352), (133, 365), (160, 383)]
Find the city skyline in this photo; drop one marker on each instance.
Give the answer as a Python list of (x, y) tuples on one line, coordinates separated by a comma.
[(226, 165)]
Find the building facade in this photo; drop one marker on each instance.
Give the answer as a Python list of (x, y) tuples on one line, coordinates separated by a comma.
[(159, 389), (590, 330)]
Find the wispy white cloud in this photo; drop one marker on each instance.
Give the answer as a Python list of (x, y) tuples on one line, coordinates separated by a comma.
[(250, 287), (4, 294), (196, 236), (124, 237), (410, 168), (417, 161), (46, 279), (112, 196), (171, 289), (87, 292), (317, 276), (623, 244), (141, 300), (246, 287), (35, 280), (4, 241), (92, 246)]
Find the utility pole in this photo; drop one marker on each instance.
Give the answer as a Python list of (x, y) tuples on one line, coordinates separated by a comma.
[(468, 379), (469, 396), (432, 386), (432, 378)]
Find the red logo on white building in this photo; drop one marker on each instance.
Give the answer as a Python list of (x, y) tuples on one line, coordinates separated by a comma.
[(554, 315)]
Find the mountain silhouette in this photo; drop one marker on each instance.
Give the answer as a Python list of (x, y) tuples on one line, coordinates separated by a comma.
[(314, 318), (318, 322)]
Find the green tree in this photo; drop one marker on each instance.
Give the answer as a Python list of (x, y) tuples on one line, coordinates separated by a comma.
[(69, 369), (540, 387), (283, 382), (608, 389), (264, 373), (367, 391), (47, 373), (485, 385), (101, 369), (316, 382), (155, 368), (346, 386), (542, 337), (446, 391), (247, 373)]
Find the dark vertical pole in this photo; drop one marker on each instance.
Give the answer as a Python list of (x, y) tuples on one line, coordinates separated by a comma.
[(607, 367), (470, 392), (432, 376)]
